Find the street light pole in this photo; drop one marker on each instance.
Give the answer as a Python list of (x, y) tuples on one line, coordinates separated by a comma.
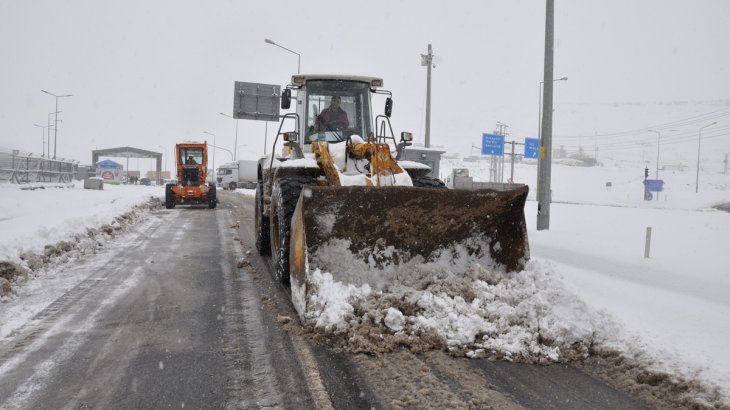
[(266, 40), (55, 127), (539, 123), (224, 149), (539, 105), (427, 60), (235, 145), (213, 158), (48, 147), (699, 141), (43, 154)]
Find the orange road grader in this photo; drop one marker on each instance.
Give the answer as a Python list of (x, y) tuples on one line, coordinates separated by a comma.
[(192, 171), (341, 201)]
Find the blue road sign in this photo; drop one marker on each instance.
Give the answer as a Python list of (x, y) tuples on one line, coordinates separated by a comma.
[(532, 147), (654, 185), (492, 144)]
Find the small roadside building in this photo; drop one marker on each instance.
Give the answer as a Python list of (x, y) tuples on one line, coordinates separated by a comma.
[(109, 170)]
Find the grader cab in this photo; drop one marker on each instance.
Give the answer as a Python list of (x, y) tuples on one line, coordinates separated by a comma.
[(192, 171)]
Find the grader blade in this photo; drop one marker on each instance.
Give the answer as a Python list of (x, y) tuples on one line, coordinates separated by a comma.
[(361, 235)]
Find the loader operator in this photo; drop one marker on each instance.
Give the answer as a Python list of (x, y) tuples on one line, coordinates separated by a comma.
[(190, 161), (333, 118)]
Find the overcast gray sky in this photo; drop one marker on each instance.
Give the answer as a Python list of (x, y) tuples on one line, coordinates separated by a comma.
[(152, 73)]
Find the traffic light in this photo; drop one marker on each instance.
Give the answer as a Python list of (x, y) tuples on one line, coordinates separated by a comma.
[(646, 172)]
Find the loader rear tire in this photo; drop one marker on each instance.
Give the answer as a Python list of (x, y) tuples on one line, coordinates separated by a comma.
[(169, 196), (212, 197), (428, 182), (261, 223), (284, 198)]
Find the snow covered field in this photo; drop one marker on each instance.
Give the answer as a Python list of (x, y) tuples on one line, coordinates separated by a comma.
[(587, 282)]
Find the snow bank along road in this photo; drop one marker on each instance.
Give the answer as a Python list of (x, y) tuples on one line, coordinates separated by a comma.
[(183, 313)]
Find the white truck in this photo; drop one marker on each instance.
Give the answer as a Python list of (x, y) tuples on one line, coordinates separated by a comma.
[(238, 174)]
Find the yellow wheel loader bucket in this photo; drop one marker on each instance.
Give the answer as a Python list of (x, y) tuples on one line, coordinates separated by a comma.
[(370, 235)]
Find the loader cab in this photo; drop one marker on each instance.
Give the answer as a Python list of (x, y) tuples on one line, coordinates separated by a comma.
[(354, 100)]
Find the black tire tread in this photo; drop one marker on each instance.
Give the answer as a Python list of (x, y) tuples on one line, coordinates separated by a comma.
[(284, 198), (261, 223), (169, 196)]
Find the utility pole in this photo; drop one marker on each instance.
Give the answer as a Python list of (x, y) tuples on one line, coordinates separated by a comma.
[(427, 60), (699, 142), (55, 127), (546, 138)]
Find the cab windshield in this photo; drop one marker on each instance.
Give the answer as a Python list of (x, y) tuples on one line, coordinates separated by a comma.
[(336, 110), (191, 156)]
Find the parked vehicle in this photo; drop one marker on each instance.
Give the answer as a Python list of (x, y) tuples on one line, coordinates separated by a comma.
[(239, 174)]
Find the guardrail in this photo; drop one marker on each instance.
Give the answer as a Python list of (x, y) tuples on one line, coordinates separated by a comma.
[(19, 167)]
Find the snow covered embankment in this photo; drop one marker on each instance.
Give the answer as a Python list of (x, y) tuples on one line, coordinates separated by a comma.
[(42, 228)]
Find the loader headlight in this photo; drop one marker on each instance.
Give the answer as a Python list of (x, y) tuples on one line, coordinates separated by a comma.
[(290, 136), (406, 136)]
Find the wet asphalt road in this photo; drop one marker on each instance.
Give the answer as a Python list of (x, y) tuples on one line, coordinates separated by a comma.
[(165, 322), (171, 320)]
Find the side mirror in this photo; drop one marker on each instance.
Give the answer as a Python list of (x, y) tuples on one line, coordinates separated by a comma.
[(388, 107), (286, 99)]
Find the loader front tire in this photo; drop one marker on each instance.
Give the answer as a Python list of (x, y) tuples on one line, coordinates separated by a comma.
[(261, 223), (284, 198), (428, 182), (169, 196)]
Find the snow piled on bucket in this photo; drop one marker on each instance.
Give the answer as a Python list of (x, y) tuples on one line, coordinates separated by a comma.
[(470, 310)]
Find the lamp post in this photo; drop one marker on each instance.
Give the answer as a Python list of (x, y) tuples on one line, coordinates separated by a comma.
[(50, 127), (539, 106), (427, 60), (658, 144), (235, 144), (539, 123), (213, 158), (224, 149), (55, 127), (266, 136), (43, 154), (699, 141), (266, 40)]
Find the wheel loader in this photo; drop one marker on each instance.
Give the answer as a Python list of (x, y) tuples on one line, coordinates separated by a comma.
[(192, 171), (339, 199)]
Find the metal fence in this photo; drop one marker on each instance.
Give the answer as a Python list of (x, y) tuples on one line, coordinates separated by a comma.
[(19, 167)]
